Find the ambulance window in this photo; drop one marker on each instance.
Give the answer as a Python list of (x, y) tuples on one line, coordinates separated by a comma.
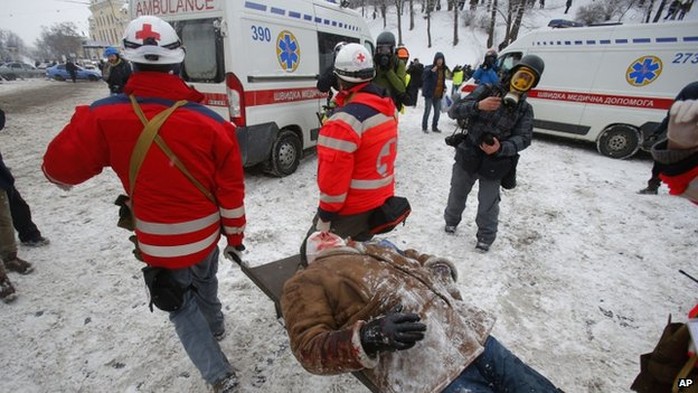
[(204, 61), (505, 62), (326, 44), (369, 46)]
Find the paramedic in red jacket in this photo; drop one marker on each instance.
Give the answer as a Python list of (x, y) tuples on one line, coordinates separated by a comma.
[(356, 149), (176, 224)]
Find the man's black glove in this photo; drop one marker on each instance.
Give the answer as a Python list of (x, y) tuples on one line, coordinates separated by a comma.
[(234, 253), (393, 332)]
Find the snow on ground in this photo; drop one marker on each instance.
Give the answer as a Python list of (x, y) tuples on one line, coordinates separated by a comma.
[(582, 276)]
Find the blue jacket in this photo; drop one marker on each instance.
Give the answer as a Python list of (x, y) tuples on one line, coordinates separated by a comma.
[(487, 76)]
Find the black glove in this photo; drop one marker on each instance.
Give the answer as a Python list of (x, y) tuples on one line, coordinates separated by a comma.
[(234, 253), (393, 332)]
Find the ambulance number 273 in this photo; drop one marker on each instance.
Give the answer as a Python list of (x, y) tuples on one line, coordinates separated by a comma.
[(685, 57), (260, 33)]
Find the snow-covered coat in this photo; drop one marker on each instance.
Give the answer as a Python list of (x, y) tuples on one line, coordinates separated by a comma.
[(176, 224), (356, 151), (325, 305)]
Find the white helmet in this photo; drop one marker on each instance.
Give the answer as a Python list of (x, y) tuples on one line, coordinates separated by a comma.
[(354, 64), (150, 40)]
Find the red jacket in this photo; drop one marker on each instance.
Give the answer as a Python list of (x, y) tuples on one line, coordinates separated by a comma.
[(176, 224), (356, 150)]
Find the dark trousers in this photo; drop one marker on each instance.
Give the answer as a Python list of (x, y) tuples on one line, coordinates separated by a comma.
[(498, 370), (654, 182), (22, 217)]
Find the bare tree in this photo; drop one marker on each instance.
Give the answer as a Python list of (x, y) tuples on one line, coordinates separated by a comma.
[(519, 9), (399, 5), (411, 15), (430, 7), (61, 39), (473, 5), (490, 29), (659, 11), (455, 23), (649, 11), (10, 45), (384, 11)]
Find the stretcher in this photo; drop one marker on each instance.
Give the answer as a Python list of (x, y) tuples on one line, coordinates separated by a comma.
[(270, 278)]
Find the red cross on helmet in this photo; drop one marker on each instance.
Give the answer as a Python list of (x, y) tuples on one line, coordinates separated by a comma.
[(354, 64), (150, 40)]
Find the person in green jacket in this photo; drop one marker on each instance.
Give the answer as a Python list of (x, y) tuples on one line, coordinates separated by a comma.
[(457, 79), (390, 70)]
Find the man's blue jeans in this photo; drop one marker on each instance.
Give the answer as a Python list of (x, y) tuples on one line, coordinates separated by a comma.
[(498, 370), (428, 104), (200, 317)]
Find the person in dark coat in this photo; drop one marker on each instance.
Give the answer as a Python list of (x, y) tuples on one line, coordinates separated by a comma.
[(326, 82), (9, 261), (27, 230), (415, 71), (72, 70), (433, 89), (116, 71), (486, 73), (500, 125)]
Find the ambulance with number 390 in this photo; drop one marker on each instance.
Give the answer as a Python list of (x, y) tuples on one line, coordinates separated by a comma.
[(257, 63)]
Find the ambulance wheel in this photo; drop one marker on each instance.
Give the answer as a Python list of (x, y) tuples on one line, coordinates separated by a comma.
[(619, 141), (285, 153)]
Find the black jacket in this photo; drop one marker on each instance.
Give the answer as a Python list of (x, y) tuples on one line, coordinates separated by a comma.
[(511, 125), (415, 70), (116, 75), (327, 81)]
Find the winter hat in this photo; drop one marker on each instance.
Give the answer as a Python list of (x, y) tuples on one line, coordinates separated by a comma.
[(683, 124)]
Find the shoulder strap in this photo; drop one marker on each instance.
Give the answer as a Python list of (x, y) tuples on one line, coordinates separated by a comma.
[(145, 139)]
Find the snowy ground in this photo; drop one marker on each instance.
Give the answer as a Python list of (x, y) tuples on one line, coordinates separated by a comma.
[(582, 276)]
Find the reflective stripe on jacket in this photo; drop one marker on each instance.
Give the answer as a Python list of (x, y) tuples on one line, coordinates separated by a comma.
[(356, 149), (176, 224)]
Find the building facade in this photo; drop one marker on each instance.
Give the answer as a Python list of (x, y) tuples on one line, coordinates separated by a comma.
[(108, 21)]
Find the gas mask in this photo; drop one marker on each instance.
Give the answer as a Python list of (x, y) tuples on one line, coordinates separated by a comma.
[(520, 83), (383, 54)]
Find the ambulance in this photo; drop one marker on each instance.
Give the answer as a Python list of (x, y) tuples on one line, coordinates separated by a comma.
[(611, 85), (257, 63)]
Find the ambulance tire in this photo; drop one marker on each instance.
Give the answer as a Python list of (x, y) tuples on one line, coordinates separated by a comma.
[(285, 153), (619, 141)]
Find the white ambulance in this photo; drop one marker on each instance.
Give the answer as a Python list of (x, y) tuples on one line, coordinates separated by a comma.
[(257, 62), (608, 84)]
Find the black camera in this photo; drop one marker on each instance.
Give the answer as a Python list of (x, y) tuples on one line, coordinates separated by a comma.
[(383, 61), (455, 139)]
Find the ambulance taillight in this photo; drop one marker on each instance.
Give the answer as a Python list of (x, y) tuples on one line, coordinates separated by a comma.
[(236, 100)]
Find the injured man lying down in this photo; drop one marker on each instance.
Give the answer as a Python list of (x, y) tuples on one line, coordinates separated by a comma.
[(398, 317)]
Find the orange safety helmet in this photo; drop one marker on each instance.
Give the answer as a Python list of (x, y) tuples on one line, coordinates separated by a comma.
[(402, 53)]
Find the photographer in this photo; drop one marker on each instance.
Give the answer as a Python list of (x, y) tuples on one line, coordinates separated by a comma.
[(500, 125), (390, 71)]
